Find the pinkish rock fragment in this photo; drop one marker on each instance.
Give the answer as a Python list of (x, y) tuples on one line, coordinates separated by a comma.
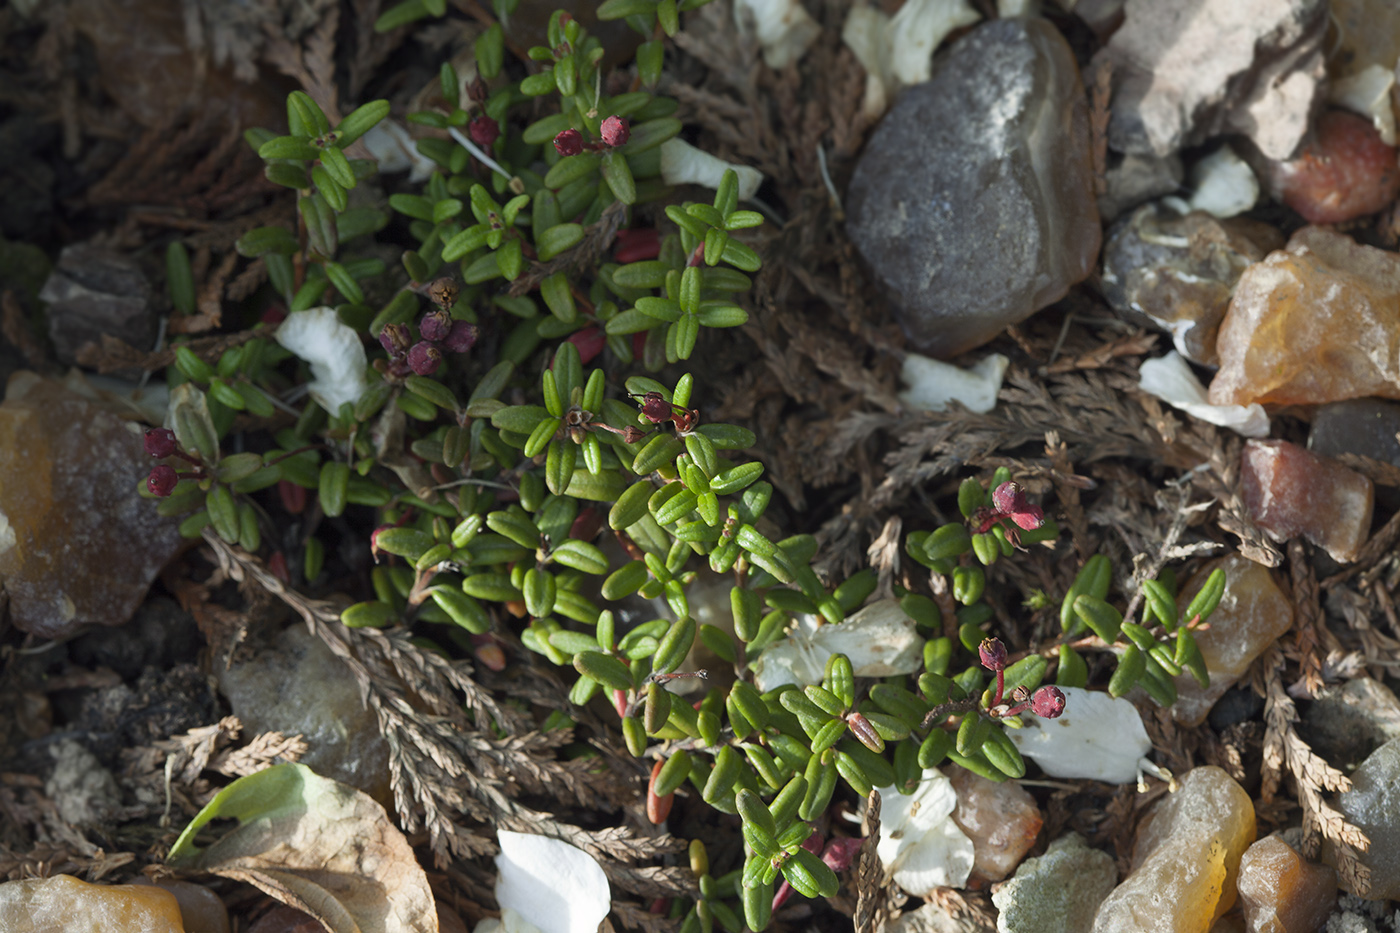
[(1346, 171), (1187, 70), (1186, 859), (1318, 321), (1290, 491), (1281, 892), (78, 545), (1001, 819), (1251, 615)]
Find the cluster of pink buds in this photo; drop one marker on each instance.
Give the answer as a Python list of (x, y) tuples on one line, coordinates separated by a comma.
[(439, 333), (161, 443), (615, 131), (1048, 702)]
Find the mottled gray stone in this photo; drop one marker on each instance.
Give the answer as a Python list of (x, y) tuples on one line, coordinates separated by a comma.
[(1347, 722), (1133, 179), (299, 687), (1061, 890), (1187, 70), (1373, 805), (974, 203), (93, 292), (1177, 273)]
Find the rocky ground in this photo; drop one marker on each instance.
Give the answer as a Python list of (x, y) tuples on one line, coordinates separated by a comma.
[(1156, 240)]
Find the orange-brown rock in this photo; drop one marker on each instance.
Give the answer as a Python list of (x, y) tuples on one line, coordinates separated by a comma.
[(1318, 321), (1001, 819), (42, 905), (1291, 491), (1281, 892), (1251, 615)]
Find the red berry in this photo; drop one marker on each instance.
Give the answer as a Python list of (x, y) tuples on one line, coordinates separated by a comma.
[(424, 358), (160, 442), (1048, 702), (162, 480), (615, 131), (395, 338), (569, 142), (483, 130)]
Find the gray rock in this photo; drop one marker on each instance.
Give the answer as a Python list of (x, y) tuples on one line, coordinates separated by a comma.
[(1138, 178), (300, 688), (1365, 426), (1177, 273), (1373, 805), (1347, 722), (92, 292), (1187, 70), (1061, 890), (973, 203)]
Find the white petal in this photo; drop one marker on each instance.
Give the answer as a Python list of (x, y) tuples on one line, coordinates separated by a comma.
[(333, 349), (1222, 184), (880, 640), (934, 383), (919, 842), (557, 887), (1171, 380), (395, 151), (683, 164), (783, 28), (1098, 737), (918, 28), (866, 34)]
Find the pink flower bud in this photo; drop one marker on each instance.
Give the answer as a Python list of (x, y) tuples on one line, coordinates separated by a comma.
[(462, 337), (162, 480), (569, 142), (160, 442), (615, 131), (424, 358), (1048, 702), (395, 338), (992, 654), (435, 325), (1008, 498), (1029, 517), (483, 130)]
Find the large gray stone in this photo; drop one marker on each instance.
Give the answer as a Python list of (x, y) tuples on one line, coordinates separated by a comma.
[(974, 202), (1373, 805)]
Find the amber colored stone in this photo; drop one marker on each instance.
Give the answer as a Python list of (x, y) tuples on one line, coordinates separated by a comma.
[(1318, 321), (1281, 892), (200, 908), (1346, 171), (63, 903), (1001, 819), (1186, 859), (78, 545), (1290, 491), (1251, 615)]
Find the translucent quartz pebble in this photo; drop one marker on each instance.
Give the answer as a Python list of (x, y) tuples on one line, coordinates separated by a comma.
[(1281, 892), (299, 687), (1001, 819), (63, 903), (973, 202), (1187, 70), (1365, 426), (1251, 615), (1316, 322), (1178, 273), (1373, 804), (78, 545), (1291, 491), (1346, 171), (1185, 861), (1060, 890)]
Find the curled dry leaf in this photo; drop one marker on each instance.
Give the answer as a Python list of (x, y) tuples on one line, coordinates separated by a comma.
[(317, 845)]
